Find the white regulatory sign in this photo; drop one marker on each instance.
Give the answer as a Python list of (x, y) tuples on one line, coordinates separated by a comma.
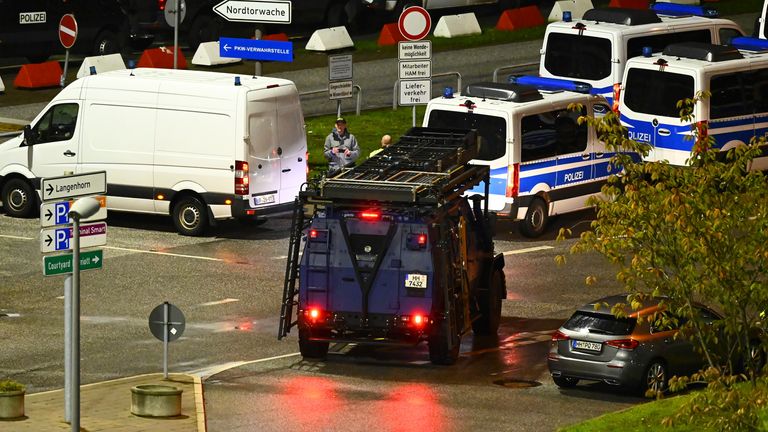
[(264, 11), (94, 183), (340, 67), (415, 92), (421, 50), (419, 69), (340, 90)]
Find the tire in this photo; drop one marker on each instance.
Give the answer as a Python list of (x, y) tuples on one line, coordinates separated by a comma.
[(654, 378), (19, 198), (489, 305), (312, 349), (565, 382), (106, 43), (205, 28), (190, 216), (439, 353), (536, 218)]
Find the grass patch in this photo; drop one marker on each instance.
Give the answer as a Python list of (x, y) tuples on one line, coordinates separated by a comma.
[(368, 128)]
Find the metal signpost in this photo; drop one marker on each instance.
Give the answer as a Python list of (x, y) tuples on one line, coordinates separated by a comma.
[(167, 323), (174, 15), (415, 58), (67, 37), (257, 12), (60, 219), (339, 79)]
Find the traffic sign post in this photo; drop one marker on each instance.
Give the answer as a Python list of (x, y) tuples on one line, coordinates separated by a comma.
[(72, 186), (175, 11), (67, 37), (414, 23), (167, 323), (57, 212), (256, 49), (339, 79), (54, 265), (414, 73)]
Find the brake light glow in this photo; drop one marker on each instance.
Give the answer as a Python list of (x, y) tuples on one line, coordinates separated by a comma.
[(370, 215), (313, 233), (626, 344), (241, 178), (418, 320), (161, 4), (314, 314), (559, 336), (513, 180)]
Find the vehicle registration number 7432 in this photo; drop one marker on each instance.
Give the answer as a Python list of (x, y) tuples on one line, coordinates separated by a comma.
[(415, 280), (588, 346)]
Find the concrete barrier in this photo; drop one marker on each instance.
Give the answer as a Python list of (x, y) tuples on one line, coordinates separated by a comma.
[(390, 35), (450, 26), (103, 63), (39, 75), (329, 39), (631, 4), (207, 54), (520, 18), (2, 86), (162, 58), (576, 7)]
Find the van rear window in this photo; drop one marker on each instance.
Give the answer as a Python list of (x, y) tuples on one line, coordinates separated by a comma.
[(492, 130), (600, 323), (655, 92), (578, 57)]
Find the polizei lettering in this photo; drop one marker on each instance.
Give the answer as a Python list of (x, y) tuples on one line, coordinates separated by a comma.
[(73, 186), (640, 136)]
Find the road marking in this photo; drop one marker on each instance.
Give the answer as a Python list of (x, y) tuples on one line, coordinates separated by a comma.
[(218, 302), (526, 250), (213, 370), (17, 237), (164, 253), (280, 257)]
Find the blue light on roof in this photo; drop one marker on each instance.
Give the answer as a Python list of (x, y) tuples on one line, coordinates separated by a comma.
[(567, 16), (749, 43), (448, 92), (543, 83), (673, 9)]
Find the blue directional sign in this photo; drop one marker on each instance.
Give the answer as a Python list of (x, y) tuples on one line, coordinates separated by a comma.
[(256, 49)]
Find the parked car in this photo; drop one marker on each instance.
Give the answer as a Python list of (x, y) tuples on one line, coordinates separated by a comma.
[(596, 345)]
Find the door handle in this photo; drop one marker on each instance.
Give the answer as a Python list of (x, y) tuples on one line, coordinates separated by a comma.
[(286, 170), (599, 154), (585, 157), (664, 132), (279, 151), (69, 153)]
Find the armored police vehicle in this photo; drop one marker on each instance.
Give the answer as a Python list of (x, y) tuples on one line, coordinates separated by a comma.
[(595, 48), (393, 253), (542, 161), (735, 112)]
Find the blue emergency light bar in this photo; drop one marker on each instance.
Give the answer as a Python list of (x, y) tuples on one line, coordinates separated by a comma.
[(551, 84), (673, 9), (749, 43)]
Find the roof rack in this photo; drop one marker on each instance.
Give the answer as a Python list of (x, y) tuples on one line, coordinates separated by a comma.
[(502, 91), (551, 84), (703, 51), (425, 166), (672, 9), (624, 16)]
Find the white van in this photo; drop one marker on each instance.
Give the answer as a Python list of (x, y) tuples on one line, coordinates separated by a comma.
[(200, 146), (736, 111), (595, 48), (542, 162)]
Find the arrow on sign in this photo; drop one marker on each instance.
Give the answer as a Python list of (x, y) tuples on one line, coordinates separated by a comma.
[(49, 189), (227, 47), (48, 214), (48, 240)]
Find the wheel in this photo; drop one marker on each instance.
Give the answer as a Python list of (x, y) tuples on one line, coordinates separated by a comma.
[(312, 349), (106, 43), (190, 216), (489, 305), (205, 28), (439, 353), (18, 198), (565, 382), (536, 218), (655, 378)]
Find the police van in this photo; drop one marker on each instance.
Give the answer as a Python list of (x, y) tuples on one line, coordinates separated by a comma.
[(542, 161), (595, 49), (736, 111)]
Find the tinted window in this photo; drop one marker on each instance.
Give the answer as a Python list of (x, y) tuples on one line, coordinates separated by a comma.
[(660, 41), (655, 92), (492, 130), (578, 57), (726, 34), (58, 124), (552, 133), (732, 95), (600, 323)]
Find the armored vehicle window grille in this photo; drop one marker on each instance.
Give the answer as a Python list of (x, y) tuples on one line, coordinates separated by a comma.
[(628, 17)]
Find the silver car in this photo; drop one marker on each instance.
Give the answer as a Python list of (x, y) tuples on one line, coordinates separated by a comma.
[(596, 345)]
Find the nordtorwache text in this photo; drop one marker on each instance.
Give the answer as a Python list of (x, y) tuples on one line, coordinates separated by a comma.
[(246, 10)]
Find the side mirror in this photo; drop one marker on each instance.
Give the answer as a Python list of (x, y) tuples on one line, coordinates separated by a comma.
[(29, 137)]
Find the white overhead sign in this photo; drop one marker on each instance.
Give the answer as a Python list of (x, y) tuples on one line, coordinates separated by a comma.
[(53, 188), (57, 212), (421, 50), (58, 239), (415, 92), (419, 69), (264, 11), (340, 90)]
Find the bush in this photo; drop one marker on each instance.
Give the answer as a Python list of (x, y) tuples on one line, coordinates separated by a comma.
[(10, 386)]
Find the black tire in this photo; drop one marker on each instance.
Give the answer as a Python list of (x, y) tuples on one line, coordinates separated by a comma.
[(19, 198), (489, 305), (106, 43), (190, 216), (655, 378), (205, 28), (565, 382), (314, 350), (439, 353), (536, 218)]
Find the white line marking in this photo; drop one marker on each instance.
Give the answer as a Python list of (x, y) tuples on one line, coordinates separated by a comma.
[(526, 250), (17, 237), (213, 370), (163, 253), (218, 302), (280, 257)]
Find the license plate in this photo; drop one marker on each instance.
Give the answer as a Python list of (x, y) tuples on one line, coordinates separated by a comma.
[(264, 199), (587, 346), (413, 280)]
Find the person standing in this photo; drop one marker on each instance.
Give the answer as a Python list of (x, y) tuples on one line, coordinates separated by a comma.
[(341, 149)]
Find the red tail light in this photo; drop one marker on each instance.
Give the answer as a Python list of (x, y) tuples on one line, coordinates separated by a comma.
[(314, 314), (313, 233), (416, 320), (161, 4), (370, 215), (513, 180), (627, 344), (558, 336), (422, 240), (241, 178)]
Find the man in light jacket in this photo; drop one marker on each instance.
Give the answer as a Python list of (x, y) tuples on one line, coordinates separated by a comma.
[(341, 147)]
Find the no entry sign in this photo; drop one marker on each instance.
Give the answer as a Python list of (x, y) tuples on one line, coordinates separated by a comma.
[(414, 23), (67, 30)]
